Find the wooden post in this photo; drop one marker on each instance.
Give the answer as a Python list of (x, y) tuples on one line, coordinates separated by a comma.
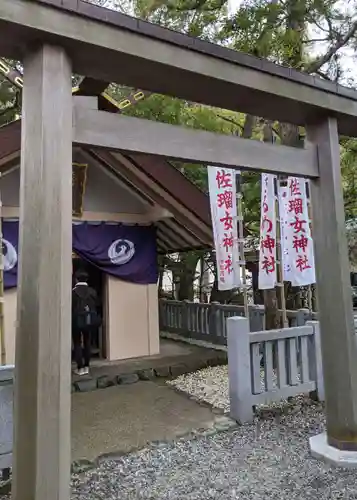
[(338, 339), (279, 258), (308, 199), (43, 365), (2, 318), (240, 233)]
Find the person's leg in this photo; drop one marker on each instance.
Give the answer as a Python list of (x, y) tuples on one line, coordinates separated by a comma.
[(87, 337), (77, 343)]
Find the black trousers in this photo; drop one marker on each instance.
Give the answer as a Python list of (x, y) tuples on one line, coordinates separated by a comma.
[(82, 346)]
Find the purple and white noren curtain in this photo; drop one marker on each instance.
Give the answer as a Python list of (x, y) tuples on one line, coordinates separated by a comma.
[(10, 251), (126, 252)]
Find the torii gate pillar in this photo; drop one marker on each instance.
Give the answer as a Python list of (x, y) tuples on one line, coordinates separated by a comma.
[(338, 338), (43, 365)]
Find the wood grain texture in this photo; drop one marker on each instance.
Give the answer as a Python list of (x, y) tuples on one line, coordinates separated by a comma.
[(115, 48), (338, 340), (42, 380), (107, 130)]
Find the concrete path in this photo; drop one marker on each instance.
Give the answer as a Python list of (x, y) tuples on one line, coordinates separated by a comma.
[(122, 418)]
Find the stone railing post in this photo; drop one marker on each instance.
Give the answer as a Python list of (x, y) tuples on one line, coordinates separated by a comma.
[(302, 316), (162, 310), (256, 318), (214, 320), (315, 360), (239, 370), (186, 322)]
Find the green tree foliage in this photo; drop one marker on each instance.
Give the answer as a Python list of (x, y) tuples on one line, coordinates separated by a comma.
[(308, 35), (349, 179), (284, 32), (10, 100)]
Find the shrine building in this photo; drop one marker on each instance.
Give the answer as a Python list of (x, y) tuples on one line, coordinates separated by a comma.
[(127, 210)]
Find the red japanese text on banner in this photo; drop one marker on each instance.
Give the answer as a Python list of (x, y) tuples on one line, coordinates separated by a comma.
[(285, 233), (267, 251), (300, 244), (223, 201)]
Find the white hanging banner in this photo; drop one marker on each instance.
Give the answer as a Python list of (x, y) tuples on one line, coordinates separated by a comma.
[(300, 244), (285, 233), (223, 201), (267, 252)]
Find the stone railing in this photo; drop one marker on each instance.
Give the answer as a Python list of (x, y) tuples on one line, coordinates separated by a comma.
[(207, 322), (291, 359)]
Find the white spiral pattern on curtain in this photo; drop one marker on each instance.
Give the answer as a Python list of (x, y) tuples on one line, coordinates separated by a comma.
[(121, 252)]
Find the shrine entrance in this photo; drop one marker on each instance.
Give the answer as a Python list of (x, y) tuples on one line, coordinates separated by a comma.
[(96, 280)]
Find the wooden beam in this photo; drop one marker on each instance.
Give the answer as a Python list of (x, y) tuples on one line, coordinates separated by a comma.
[(112, 47), (110, 131), (42, 454)]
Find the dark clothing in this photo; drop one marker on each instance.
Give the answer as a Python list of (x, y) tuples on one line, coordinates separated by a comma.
[(82, 347), (82, 325)]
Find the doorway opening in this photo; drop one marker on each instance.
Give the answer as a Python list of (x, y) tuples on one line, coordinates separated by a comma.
[(96, 281)]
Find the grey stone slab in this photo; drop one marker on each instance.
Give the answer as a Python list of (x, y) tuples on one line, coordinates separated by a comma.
[(162, 371), (104, 381), (127, 378), (126, 417), (85, 385), (146, 374)]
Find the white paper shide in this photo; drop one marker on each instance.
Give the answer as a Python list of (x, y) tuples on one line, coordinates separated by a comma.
[(223, 201), (267, 251)]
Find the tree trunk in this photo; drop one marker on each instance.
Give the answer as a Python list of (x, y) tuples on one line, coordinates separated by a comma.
[(223, 297), (161, 280), (186, 275), (201, 289), (272, 319)]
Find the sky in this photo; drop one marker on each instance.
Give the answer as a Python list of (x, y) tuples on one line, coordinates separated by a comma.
[(233, 4)]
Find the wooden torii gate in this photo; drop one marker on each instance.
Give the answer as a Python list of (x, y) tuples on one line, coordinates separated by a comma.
[(54, 38)]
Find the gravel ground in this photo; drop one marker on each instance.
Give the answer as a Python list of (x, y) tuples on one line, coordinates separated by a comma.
[(209, 385), (269, 459), (266, 460)]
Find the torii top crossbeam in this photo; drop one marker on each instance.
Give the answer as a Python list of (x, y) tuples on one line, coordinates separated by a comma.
[(113, 47)]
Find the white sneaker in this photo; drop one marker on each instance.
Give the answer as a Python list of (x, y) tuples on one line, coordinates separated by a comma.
[(85, 370), (79, 371)]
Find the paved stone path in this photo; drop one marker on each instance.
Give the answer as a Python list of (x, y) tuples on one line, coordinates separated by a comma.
[(121, 418)]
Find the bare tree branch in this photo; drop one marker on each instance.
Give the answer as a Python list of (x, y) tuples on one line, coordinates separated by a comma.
[(230, 120), (315, 40), (323, 75), (320, 61)]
